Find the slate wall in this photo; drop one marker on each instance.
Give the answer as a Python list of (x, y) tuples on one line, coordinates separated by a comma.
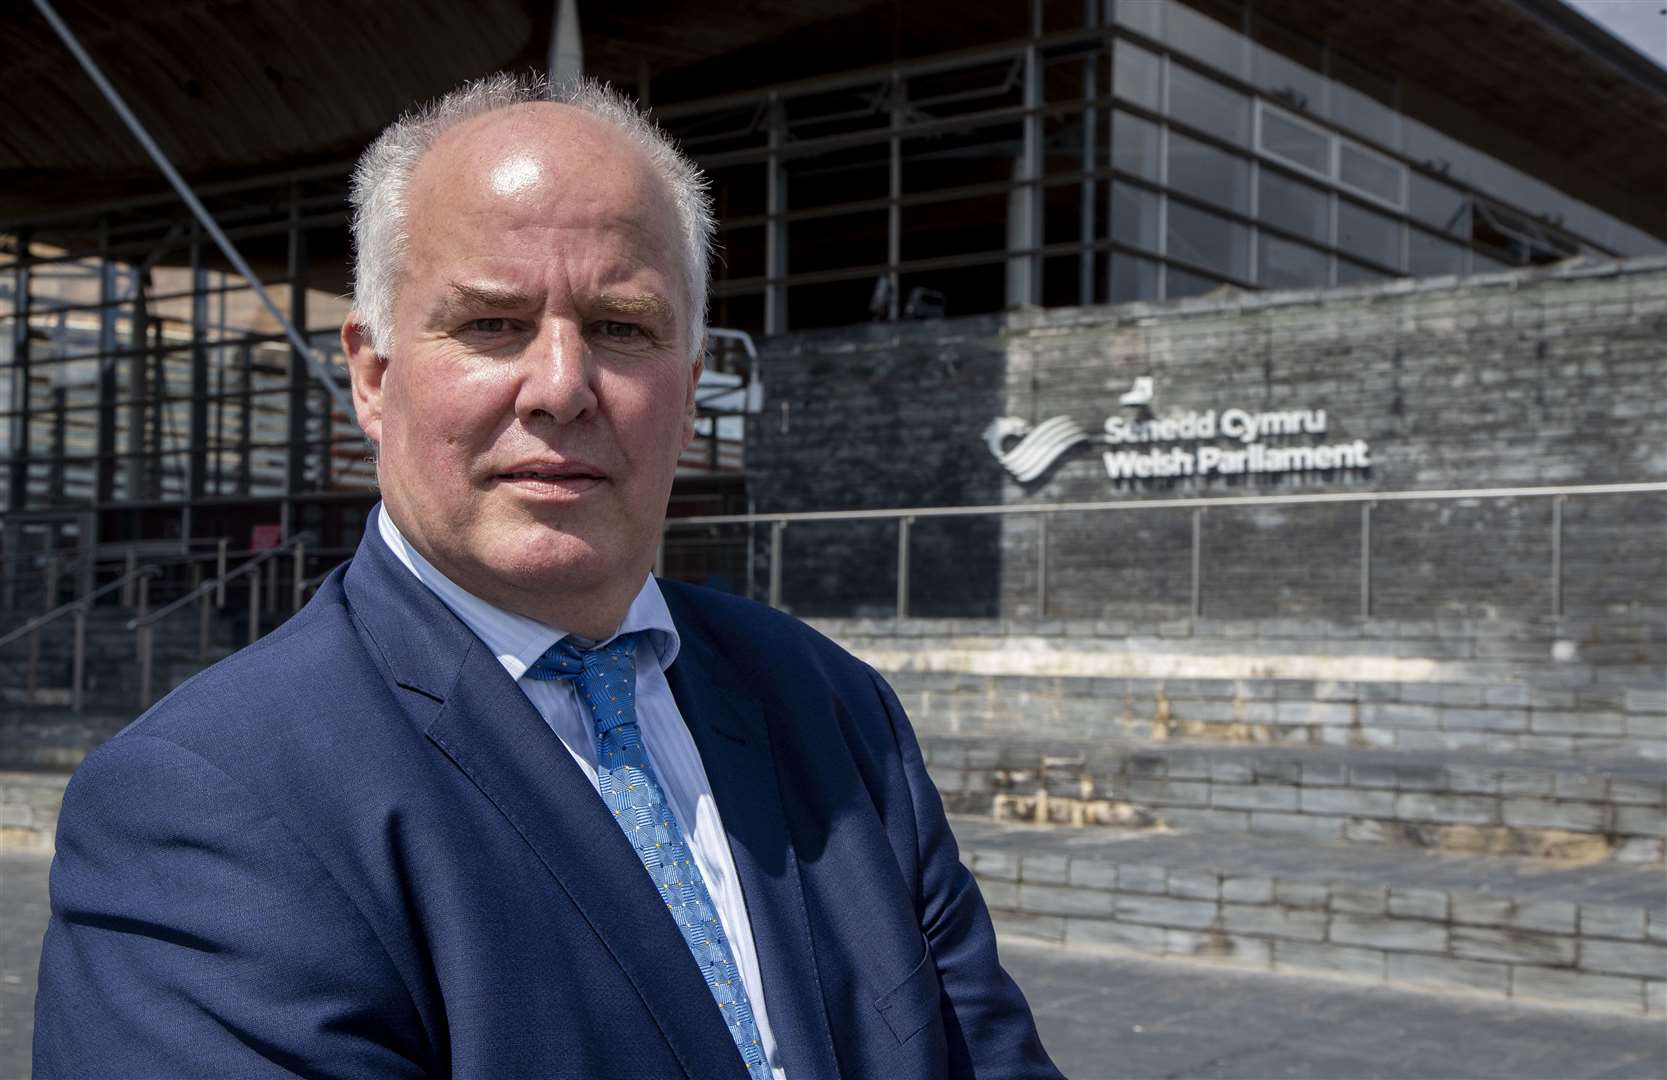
[(1527, 378)]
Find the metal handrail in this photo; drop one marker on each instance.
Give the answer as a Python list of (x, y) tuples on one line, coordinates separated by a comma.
[(78, 608), (82, 603), (217, 584), (216, 587), (1202, 503), (1367, 500)]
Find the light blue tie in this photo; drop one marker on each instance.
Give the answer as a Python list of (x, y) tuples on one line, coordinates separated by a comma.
[(606, 677)]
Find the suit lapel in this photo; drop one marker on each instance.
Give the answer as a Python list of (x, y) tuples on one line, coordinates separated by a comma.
[(490, 731), (728, 725)]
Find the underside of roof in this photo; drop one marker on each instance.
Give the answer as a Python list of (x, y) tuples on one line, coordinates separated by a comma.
[(234, 88)]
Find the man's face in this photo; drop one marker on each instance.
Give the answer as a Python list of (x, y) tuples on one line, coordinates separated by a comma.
[(539, 390)]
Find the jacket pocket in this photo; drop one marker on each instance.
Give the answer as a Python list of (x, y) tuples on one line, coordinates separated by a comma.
[(913, 1003)]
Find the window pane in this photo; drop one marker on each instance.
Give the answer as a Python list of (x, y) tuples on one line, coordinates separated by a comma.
[(1208, 173), (952, 159), (1295, 142), (1200, 36), (1366, 171), (1135, 73), (1294, 206), (1134, 216), (1178, 284), (1281, 264), (1134, 145), (1368, 234), (1133, 279), (1429, 256), (1358, 112), (1288, 81), (1146, 16), (1485, 264), (1434, 203), (1349, 273), (1207, 240), (1208, 105)]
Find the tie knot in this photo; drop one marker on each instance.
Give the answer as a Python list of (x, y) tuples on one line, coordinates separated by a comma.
[(606, 677)]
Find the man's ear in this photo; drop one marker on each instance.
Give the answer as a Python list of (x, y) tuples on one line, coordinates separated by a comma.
[(366, 368), (695, 368)]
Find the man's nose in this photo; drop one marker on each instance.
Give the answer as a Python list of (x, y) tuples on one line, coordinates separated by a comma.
[(557, 383)]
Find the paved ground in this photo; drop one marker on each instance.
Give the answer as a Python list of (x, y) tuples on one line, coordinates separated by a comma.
[(1105, 1016)]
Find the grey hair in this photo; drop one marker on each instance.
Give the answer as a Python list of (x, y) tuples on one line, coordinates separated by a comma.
[(382, 180)]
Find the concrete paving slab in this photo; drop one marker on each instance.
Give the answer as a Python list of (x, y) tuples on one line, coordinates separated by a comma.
[(1106, 1016)]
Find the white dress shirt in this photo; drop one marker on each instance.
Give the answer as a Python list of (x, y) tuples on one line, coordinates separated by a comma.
[(518, 641)]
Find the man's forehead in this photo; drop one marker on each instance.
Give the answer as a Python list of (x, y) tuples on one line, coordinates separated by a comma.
[(533, 131)]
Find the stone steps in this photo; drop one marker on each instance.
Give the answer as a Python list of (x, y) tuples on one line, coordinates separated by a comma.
[(1554, 808), (1617, 646), (55, 737), (1570, 936), (1411, 715), (29, 801)]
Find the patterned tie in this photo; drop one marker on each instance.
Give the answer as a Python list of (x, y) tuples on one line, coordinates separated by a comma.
[(606, 678)]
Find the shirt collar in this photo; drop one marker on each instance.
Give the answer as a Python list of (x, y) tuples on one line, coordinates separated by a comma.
[(516, 640)]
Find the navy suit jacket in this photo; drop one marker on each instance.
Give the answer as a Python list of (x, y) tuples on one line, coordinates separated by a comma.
[(354, 849)]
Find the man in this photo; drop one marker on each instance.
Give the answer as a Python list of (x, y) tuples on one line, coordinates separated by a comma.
[(407, 834)]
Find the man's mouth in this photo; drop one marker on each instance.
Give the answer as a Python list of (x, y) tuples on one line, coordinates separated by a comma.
[(569, 478)]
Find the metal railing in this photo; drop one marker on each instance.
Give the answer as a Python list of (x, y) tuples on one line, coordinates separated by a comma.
[(1366, 500), (137, 576), (251, 569)]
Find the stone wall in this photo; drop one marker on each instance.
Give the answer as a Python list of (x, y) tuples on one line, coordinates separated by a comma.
[(1527, 378)]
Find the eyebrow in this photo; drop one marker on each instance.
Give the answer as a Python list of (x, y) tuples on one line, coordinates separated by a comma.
[(641, 304), (492, 297)]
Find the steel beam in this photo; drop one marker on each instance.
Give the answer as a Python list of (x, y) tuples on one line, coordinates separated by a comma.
[(17, 478), (104, 467), (190, 199), (197, 474), (295, 466)]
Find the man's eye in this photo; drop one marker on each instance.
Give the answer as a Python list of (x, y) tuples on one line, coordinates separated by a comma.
[(488, 326), (621, 331)]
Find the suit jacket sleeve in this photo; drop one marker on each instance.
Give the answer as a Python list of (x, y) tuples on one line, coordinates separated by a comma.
[(198, 936), (988, 1025)]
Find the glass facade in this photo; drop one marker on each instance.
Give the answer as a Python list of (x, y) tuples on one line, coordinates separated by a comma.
[(1159, 150)]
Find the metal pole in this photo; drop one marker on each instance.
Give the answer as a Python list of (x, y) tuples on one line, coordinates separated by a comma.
[(220, 572), (300, 572), (775, 226), (1042, 566), (337, 395), (894, 206), (1197, 563), (143, 641), (903, 566), (144, 645), (78, 660), (776, 528), (254, 605), (1090, 151), (271, 575), (31, 681), (1366, 560), (129, 565), (17, 487), (1557, 556), (50, 590), (202, 629)]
